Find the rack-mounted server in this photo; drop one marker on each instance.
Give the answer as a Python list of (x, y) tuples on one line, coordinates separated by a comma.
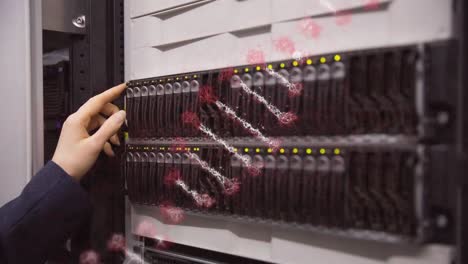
[(354, 162)]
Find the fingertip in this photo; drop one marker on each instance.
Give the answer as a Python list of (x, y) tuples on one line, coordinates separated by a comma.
[(115, 140), (108, 150), (120, 116)]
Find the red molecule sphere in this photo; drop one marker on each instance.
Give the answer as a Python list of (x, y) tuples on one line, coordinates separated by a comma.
[(171, 214), (295, 89), (255, 56), (226, 74), (253, 170), (172, 177), (309, 28), (207, 95), (191, 118), (116, 243), (146, 229), (285, 45), (204, 200), (89, 257), (287, 119), (231, 187), (275, 144)]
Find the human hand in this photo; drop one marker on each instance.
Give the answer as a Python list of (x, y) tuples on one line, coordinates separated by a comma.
[(77, 150)]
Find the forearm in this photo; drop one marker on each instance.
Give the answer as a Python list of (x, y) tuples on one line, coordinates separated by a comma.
[(50, 208)]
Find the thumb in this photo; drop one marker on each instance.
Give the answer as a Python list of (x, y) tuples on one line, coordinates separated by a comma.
[(109, 128)]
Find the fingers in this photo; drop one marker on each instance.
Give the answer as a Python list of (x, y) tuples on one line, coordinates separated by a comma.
[(94, 105), (109, 109), (108, 150), (108, 128), (98, 121)]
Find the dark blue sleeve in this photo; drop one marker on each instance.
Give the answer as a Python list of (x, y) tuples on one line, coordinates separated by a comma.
[(51, 207)]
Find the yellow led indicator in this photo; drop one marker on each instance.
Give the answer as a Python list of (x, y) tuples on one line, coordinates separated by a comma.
[(235, 149), (246, 69), (125, 135), (258, 68), (309, 61), (162, 148), (186, 77), (246, 150), (295, 63), (270, 66), (195, 76), (270, 150), (295, 150), (282, 65), (236, 71), (323, 60), (309, 151), (257, 150), (169, 79), (337, 57), (337, 151), (322, 151), (160, 80), (282, 150)]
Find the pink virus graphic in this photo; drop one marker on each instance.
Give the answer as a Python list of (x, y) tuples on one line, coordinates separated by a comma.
[(191, 118), (172, 214), (288, 119), (285, 45), (89, 257), (146, 229), (255, 56), (254, 170), (371, 4), (226, 74), (276, 144), (309, 28), (201, 200), (116, 243), (343, 18), (205, 201), (231, 187), (295, 90), (172, 177), (206, 94)]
